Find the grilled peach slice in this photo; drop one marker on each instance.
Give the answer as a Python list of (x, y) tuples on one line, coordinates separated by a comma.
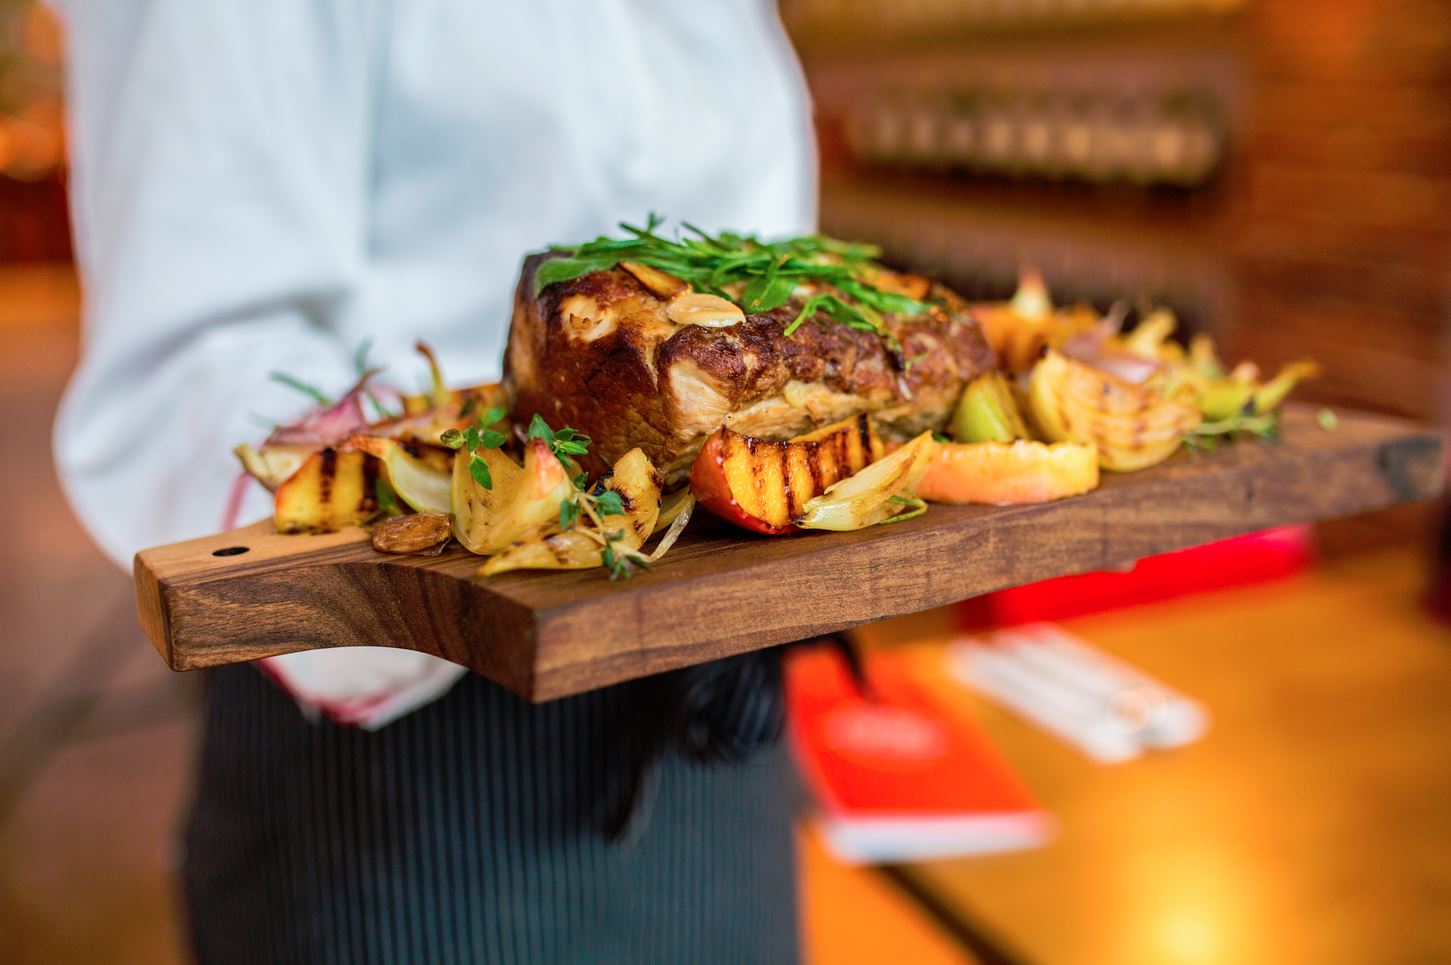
[(1009, 473), (762, 486), (332, 489)]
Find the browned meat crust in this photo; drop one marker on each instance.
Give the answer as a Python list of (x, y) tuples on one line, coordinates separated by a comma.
[(598, 353)]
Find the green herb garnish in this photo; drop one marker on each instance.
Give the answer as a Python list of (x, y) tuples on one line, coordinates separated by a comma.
[(1206, 435), (767, 273), (622, 562), (564, 443), (360, 365), (475, 438), (387, 498), (293, 382), (608, 503), (915, 507)]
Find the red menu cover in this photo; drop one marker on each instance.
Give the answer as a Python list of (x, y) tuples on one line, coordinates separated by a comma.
[(899, 777)]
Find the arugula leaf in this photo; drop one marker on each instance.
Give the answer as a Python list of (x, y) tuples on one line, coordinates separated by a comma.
[(767, 293), (766, 273)]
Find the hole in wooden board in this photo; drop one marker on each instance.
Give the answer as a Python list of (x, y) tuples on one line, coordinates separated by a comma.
[(231, 551)]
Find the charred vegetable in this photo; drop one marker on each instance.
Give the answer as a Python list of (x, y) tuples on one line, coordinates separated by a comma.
[(1009, 473), (332, 489), (1133, 427), (881, 491), (762, 486)]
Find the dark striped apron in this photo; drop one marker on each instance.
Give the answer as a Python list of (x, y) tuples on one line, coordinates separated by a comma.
[(483, 829)]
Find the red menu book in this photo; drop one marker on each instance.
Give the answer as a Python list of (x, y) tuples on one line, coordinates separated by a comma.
[(899, 777)]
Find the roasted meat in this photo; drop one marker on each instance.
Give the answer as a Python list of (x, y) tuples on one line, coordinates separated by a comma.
[(602, 353)]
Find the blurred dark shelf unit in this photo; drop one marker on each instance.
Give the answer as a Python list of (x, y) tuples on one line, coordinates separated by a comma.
[(1277, 171), (34, 226), (868, 24), (1092, 244)]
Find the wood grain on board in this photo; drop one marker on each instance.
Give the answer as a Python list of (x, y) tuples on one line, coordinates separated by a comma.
[(721, 591)]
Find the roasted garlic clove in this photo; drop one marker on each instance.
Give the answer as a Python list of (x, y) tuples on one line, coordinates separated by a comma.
[(660, 283), (585, 320), (708, 311), (424, 533)]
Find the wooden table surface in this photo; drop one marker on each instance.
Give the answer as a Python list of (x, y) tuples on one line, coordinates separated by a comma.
[(720, 591), (1310, 825)]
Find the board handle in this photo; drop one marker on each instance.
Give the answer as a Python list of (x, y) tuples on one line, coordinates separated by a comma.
[(220, 556)]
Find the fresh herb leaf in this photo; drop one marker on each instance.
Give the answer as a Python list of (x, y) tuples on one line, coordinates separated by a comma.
[(360, 355), (387, 498), (623, 562), (493, 415), (1265, 426), (915, 507), (766, 274), (767, 293), (939, 437), (452, 438), (608, 503), (479, 469), (539, 429), (564, 443), (569, 512), (292, 382)]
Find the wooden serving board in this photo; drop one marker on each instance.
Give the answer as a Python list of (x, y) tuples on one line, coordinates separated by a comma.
[(252, 593)]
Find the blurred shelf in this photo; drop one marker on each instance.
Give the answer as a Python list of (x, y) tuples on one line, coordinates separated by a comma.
[(1097, 243), (853, 27)]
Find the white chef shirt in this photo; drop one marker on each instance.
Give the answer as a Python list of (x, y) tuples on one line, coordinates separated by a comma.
[(263, 185)]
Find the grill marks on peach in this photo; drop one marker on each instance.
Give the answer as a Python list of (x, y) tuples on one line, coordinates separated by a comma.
[(774, 481), (330, 490), (327, 472)]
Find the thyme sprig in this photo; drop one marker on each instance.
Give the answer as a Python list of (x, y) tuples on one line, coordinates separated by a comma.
[(622, 561), (565, 443), (586, 510), (477, 437), (766, 273)]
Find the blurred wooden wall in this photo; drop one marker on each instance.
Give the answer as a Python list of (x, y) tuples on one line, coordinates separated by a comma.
[(1343, 200), (1326, 231)]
